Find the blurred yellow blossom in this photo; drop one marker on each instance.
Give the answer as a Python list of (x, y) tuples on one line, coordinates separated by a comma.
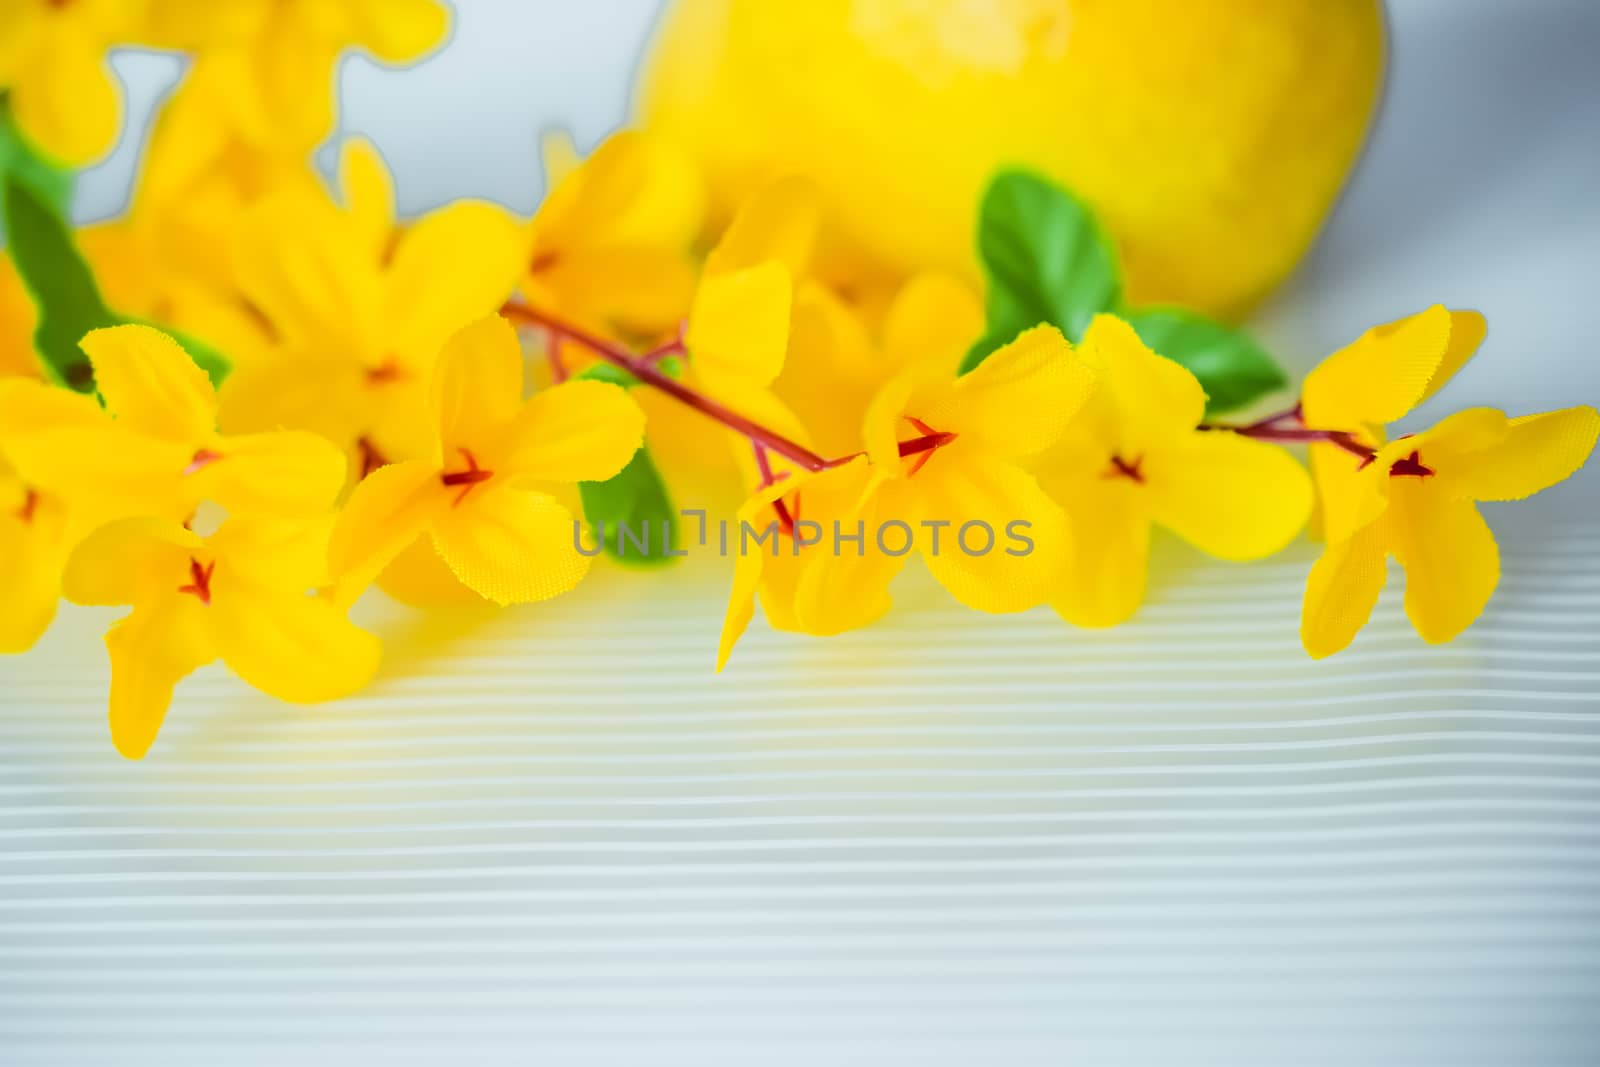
[(475, 494), (154, 449), (356, 321), (55, 72), (17, 321), (609, 248), (240, 595), (272, 64), (33, 549), (1137, 456)]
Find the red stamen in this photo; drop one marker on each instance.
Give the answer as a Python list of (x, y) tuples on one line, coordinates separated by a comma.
[(1410, 467), (925, 446), (472, 476), (202, 459), (30, 505), (1121, 468), (386, 373), (371, 458), (200, 580)]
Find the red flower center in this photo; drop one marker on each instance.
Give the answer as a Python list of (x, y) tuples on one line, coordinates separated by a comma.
[(199, 580), (1410, 467), (473, 476), (1129, 469), (925, 446)]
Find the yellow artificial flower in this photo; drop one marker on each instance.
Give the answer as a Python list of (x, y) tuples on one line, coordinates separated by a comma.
[(1375, 380), (358, 315), (1137, 457), (54, 68), (609, 246), (474, 495), (783, 540), (950, 453), (837, 363), (154, 448), (1413, 498), (163, 260), (18, 359), (240, 595), (273, 63), (942, 476)]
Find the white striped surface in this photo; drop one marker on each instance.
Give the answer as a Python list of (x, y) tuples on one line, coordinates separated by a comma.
[(553, 833)]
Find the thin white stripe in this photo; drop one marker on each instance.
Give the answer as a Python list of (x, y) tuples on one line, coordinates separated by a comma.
[(1157, 910), (93, 770), (794, 868)]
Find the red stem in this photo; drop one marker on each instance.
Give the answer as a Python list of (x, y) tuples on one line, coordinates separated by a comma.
[(1271, 428), (642, 370)]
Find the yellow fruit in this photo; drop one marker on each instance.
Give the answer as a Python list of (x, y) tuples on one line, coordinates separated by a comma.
[(1211, 137)]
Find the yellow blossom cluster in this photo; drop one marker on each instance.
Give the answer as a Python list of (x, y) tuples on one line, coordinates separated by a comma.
[(417, 404)]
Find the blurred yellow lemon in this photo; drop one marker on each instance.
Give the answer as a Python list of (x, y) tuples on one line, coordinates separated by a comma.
[(1212, 137)]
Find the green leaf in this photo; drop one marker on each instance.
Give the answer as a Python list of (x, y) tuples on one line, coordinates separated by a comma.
[(1232, 367), (1045, 257), (51, 183), (59, 280), (671, 366), (639, 523)]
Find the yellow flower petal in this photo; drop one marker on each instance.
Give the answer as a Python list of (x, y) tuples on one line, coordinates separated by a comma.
[(979, 498), (388, 510), (1103, 579), (1020, 400), (420, 578), (778, 222), (1342, 590), (933, 317), (636, 190), (638, 289), (558, 155), (280, 553), (739, 325), (1536, 452), (1349, 494), (130, 561), (1452, 563), (579, 431), (70, 103), (288, 473), (1228, 495), (1467, 331), (306, 267), (154, 648), (367, 191), (748, 566), (32, 553), (296, 648), (1388, 370), (17, 322), (451, 267), (151, 384), (511, 546), (1154, 399), (398, 31), (102, 469), (477, 384)]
